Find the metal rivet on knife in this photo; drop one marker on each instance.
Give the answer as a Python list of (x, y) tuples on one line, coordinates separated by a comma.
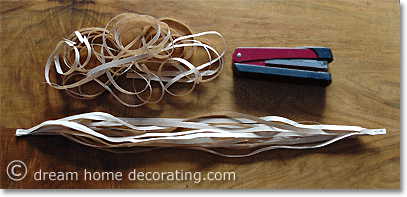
[(239, 55)]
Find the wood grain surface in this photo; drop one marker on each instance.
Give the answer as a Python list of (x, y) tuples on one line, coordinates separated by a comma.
[(363, 36)]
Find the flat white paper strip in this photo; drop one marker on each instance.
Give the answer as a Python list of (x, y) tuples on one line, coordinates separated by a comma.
[(228, 130)]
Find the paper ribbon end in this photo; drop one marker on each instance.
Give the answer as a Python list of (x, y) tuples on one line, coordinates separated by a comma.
[(374, 131), (20, 132)]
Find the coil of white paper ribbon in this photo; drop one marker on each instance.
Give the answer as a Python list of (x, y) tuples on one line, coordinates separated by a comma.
[(139, 46), (216, 130)]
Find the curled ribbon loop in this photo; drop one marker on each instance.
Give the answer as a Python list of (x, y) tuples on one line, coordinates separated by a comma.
[(145, 49), (227, 134)]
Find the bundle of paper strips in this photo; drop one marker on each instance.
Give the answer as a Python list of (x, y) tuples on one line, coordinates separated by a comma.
[(214, 132), (92, 60)]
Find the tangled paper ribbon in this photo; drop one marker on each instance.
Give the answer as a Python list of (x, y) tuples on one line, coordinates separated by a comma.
[(213, 132), (141, 46)]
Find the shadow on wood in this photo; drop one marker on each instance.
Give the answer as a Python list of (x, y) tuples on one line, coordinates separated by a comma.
[(281, 99)]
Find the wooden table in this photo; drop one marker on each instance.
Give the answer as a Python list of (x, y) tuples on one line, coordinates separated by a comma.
[(364, 38)]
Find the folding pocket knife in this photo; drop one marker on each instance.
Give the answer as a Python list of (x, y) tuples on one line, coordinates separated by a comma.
[(302, 65)]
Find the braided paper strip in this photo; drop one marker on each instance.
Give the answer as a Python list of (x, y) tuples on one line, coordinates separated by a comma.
[(214, 132)]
